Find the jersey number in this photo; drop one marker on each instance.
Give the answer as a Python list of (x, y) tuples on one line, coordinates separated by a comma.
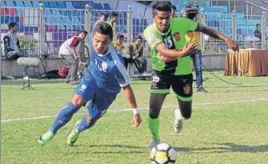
[(168, 42)]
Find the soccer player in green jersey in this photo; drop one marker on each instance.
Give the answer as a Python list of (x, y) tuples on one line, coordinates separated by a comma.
[(172, 67)]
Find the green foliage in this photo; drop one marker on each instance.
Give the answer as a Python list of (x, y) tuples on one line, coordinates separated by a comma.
[(28, 42)]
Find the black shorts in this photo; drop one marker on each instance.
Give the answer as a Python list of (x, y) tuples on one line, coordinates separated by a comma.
[(182, 85)]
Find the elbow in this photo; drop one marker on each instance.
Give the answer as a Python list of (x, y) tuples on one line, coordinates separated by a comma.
[(126, 87)]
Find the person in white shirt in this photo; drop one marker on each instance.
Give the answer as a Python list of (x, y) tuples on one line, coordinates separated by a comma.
[(69, 51)]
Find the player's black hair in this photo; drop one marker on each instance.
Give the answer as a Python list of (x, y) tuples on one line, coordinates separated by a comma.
[(174, 7), (114, 14), (12, 24), (104, 29), (161, 6), (257, 24)]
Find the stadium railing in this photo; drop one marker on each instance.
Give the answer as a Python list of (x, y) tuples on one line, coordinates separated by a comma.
[(43, 30), (237, 26)]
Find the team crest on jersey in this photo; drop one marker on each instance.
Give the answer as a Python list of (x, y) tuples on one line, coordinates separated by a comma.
[(83, 88), (104, 66), (177, 36)]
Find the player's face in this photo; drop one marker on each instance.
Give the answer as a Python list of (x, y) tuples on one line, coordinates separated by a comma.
[(101, 43), (161, 19)]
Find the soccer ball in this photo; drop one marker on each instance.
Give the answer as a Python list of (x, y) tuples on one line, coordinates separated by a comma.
[(163, 154)]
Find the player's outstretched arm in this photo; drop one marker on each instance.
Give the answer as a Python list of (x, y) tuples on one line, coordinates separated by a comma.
[(132, 101), (161, 47), (217, 35)]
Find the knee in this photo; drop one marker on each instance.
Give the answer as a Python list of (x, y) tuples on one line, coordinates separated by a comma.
[(91, 120), (88, 118), (78, 101), (187, 113), (187, 116), (153, 114)]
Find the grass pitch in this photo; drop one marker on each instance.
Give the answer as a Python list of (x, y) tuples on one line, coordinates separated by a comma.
[(228, 125)]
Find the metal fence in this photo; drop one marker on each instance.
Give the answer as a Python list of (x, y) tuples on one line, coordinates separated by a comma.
[(42, 30), (28, 31), (239, 27)]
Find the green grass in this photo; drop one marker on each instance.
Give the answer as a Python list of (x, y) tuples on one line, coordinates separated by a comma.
[(231, 132)]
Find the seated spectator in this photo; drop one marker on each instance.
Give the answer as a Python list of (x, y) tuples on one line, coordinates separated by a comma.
[(12, 46), (120, 47), (119, 44), (11, 43), (136, 55)]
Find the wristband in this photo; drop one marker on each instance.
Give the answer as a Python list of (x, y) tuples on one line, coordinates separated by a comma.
[(136, 111)]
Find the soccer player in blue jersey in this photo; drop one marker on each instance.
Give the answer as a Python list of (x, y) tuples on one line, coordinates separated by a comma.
[(101, 82)]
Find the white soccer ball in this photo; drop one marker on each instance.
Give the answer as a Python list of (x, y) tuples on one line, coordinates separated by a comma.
[(163, 154)]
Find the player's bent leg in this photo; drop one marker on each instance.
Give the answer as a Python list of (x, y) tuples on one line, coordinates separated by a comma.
[(86, 123), (156, 102), (184, 112), (185, 109), (182, 86), (96, 109), (62, 118), (83, 93)]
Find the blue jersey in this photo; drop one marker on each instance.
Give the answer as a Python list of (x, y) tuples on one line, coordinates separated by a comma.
[(108, 70)]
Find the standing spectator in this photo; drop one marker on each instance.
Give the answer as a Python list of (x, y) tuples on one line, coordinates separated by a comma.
[(191, 12), (69, 51), (103, 18), (257, 32), (112, 22), (173, 12)]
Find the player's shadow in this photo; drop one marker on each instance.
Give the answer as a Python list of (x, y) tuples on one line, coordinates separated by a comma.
[(225, 147), (118, 149)]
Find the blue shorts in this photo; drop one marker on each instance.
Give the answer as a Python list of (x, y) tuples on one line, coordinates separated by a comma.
[(99, 99)]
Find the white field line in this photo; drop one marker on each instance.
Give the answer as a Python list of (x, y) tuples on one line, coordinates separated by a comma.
[(146, 108)]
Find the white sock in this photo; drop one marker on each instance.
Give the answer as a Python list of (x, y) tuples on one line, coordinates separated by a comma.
[(178, 115)]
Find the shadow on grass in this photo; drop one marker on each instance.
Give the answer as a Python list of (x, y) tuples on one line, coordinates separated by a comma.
[(117, 149), (221, 148), (232, 147), (225, 147)]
